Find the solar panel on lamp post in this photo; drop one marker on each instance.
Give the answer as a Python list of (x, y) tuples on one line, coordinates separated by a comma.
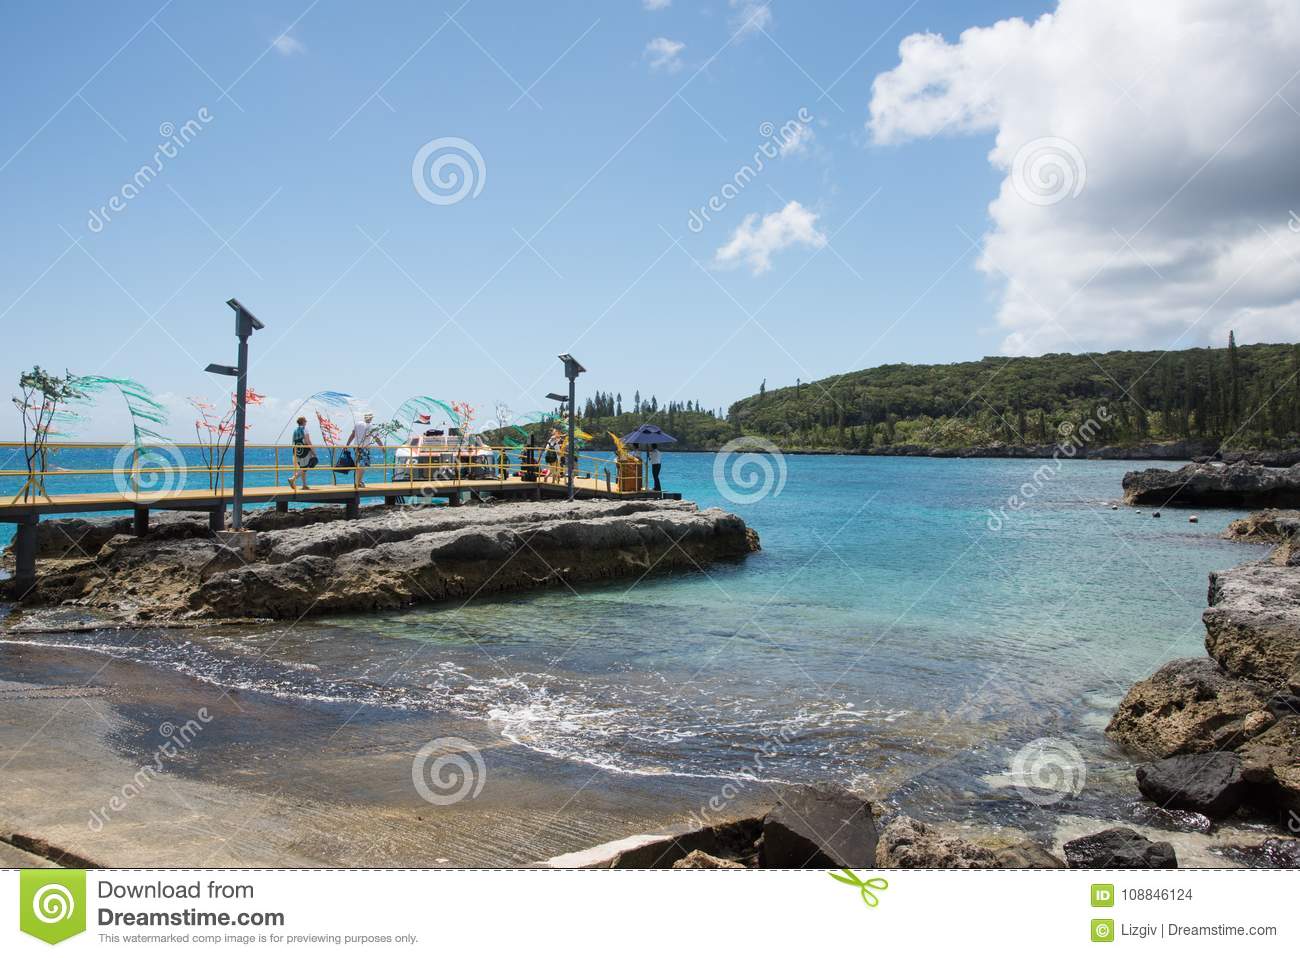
[(572, 370), (245, 324)]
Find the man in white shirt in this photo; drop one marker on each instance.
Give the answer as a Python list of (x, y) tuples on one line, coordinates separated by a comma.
[(654, 466), (359, 442)]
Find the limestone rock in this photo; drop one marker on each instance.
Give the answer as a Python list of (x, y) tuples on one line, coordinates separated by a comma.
[(1188, 705), (1252, 627), (702, 859), (908, 843), (393, 557), (1271, 761), (1214, 484)]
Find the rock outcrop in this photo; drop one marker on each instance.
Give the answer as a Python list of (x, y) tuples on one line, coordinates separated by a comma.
[(702, 859), (907, 843), (1119, 848), (811, 826), (1240, 484), (1187, 706), (1210, 784), (1252, 627), (819, 827), (1228, 726), (388, 558)]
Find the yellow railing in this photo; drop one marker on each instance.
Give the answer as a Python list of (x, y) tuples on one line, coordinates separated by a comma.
[(420, 465)]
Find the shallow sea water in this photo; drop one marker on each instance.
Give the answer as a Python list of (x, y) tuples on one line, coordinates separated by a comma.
[(905, 630)]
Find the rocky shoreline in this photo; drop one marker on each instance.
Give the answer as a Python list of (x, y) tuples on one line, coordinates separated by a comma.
[(1223, 732), (314, 561), (1239, 484)]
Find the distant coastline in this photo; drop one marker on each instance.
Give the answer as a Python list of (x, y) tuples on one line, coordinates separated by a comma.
[(1186, 451)]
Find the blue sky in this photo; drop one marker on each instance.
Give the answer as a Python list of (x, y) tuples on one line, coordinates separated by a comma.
[(296, 195)]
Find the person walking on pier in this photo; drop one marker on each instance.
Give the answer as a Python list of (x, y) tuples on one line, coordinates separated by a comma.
[(654, 466), (360, 441), (303, 455)]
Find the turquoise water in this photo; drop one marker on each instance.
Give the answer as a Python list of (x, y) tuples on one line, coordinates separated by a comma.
[(906, 629)]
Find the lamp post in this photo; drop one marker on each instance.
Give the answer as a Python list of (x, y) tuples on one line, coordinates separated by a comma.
[(572, 370), (245, 324)]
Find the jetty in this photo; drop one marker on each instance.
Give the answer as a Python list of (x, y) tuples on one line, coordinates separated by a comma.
[(133, 484)]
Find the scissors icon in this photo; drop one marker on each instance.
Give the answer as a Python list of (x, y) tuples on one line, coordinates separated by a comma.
[(869, 896)]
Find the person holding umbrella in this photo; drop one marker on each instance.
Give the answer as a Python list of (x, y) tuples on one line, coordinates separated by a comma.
[(654, 437)]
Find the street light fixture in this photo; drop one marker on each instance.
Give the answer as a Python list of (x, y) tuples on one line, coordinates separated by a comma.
[(245, 324), (572, 370)]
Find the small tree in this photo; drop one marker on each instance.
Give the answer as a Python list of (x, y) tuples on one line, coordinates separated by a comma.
[(42, 395), (215, 436)]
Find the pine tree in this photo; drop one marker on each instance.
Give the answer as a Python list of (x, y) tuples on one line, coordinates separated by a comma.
[(1234, 383)]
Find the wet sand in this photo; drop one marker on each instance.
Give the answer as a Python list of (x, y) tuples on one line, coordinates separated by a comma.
[(270, 781)]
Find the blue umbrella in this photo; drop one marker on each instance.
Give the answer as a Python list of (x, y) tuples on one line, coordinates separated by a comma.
[(648, 435)]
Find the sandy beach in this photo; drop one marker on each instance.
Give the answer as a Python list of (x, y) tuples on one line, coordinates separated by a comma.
[(282, 783)]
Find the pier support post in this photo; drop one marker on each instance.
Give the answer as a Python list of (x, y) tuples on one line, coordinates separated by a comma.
[(352, 508), (391, 500), (25, 553), (217, 519), (281, 505), (141, 523)]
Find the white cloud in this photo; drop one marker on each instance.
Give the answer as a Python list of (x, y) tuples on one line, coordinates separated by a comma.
[(1161, 122), (656, 4), (801, 134), (664, 54), (750, 16), (754, 242), (287, 45)]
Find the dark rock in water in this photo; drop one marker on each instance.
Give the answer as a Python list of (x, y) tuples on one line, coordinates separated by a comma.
[(1169, 819), (820, 826), (1119, 848), (1212, 484), (1188, 705), (1252, 627), (1209, 783), (701, 859), (731, 841), (1271, 853)]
